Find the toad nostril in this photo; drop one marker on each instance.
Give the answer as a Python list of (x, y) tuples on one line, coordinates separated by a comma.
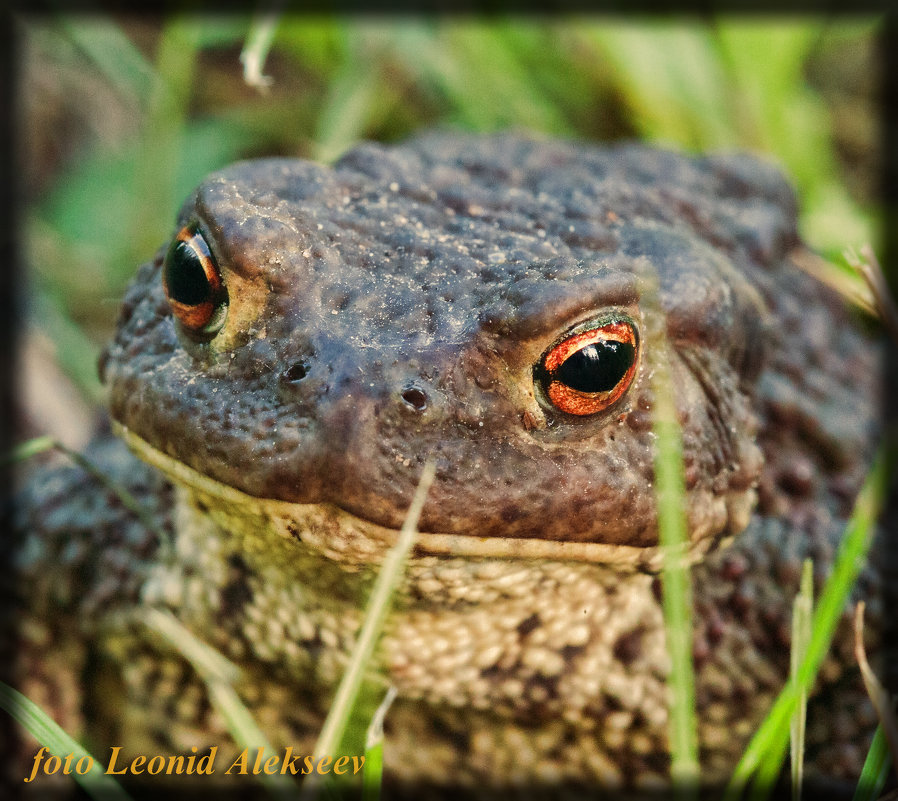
[(296, 372), (416, 398)]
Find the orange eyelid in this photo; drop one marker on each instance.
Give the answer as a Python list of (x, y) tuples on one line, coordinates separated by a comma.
[(573, 401), (581, 404), (196, 316), (611, 332), (194, 240)]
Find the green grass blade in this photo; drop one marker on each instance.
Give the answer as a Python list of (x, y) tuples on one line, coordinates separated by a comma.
[(771, 739), (375, 616), (876, 769), (219, 674), (127, 499), (883, 701), (25, 450), (41, 444), (801, 635), (670, 489), (770, 769), (372, 778), (52, 736)]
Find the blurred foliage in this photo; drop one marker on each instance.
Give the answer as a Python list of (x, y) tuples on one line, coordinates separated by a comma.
[(121, 116)]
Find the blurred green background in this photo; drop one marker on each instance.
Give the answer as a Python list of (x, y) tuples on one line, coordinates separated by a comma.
[(119, 117)]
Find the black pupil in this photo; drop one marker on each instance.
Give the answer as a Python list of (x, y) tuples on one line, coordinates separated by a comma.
[(184, 275), (598, 367)]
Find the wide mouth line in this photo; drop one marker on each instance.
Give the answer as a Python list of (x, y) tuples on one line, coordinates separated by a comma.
[(626, 558)]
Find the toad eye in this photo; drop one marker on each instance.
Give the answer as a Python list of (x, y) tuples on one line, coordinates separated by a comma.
[(590, 369), (193, 285)]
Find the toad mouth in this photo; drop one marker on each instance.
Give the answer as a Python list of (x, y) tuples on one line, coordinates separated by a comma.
[(289, 518)]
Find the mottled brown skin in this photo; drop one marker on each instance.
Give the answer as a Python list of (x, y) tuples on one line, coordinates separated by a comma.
[(391, 310)]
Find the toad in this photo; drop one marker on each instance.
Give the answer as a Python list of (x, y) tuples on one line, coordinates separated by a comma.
[(311, 336)]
